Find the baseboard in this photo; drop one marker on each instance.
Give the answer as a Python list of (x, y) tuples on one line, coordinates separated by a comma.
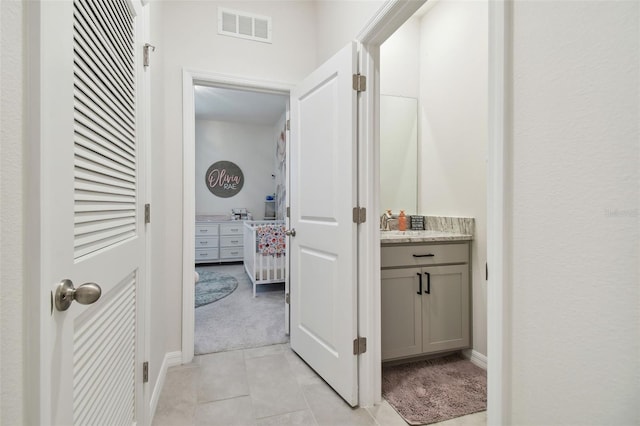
[(476, 358), (170, 359)]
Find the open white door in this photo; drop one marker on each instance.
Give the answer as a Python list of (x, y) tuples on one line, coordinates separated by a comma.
[(287, 221), (323, 195), (92, 211)]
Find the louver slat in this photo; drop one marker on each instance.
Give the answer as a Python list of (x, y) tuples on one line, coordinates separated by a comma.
[(99, 93), (104, 125), (104, 359), (88, 113), (121, 40), (102, 48)]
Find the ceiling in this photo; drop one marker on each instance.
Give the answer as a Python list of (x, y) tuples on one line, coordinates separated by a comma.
[(221, 104)]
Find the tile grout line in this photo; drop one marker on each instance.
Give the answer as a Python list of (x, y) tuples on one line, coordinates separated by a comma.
[(306, 401), (246, 374), (304, 396)]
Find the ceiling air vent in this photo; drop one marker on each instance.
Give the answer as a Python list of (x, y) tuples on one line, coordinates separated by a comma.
[(244, 25)]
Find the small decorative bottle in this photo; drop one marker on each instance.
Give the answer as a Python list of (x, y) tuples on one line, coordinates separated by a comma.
[(402, 221)]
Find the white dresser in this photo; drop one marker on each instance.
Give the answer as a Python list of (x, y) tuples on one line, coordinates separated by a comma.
[(218, 240)]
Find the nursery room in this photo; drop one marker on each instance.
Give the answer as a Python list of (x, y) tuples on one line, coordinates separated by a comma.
[(240, 198)]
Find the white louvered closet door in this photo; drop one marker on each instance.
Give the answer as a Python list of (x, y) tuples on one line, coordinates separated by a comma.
[(92, 190)]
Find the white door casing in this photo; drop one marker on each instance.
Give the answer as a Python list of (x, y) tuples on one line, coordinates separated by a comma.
[(323, 254), (92, 198), (191, 78)]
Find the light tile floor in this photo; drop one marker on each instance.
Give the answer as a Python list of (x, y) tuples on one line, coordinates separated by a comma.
[(264, 387)]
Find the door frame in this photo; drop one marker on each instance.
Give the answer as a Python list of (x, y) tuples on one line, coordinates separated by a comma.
[(191, 78), (387, 20)]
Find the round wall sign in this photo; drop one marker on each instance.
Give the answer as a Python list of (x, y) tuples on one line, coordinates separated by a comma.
[(224, 179)]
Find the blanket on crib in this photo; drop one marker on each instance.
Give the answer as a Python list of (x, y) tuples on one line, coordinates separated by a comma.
[(271, 239)]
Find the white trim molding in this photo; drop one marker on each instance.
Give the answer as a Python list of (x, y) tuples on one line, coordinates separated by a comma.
[(498, 220), (190, 78), (170, 359), (476, 358)]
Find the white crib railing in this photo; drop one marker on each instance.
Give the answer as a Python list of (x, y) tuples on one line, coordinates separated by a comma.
[(262, 268)]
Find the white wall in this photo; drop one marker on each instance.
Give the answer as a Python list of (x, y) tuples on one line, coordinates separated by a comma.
[(339, 22), (185, 34), (400, 61), (12, 186), (453, 109), (249, 146), (575, 303)]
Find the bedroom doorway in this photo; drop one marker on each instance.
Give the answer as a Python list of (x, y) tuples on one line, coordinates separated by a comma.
[(238, 205)]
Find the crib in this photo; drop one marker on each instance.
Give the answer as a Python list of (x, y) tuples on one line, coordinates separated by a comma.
[(264, 265)]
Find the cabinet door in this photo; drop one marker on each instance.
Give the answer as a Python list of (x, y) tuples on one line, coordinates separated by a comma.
[(401, 313), (445, 310)]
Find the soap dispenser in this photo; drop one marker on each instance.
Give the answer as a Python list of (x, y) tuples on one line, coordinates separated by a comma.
[(384, 220), (402, 221)]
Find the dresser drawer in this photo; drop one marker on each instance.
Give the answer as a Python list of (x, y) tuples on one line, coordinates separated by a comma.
[(208, 254), (231, 241), (206, 230), (206, 242), (423, 254), (231, 253), (234, 228)]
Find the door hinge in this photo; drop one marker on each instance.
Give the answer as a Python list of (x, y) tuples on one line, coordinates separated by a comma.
[(359, 345), (287, 299), (145, 372), (359, 215), (145, 53), (288, 124), (147, 213), (359, 83), (288, 211)]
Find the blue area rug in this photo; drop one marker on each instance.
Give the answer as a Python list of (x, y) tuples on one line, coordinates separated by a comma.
[(213, 286)]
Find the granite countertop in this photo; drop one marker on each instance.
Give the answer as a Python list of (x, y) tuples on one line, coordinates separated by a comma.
[(396, 237)]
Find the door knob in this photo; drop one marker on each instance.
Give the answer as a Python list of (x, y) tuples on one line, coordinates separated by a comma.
[(66, 293), (291, 232)]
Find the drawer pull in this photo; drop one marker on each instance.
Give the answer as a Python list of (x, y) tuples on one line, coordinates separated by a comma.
[(424, 255), (419, 279), (204, 230), (428, 291), (204, 242)]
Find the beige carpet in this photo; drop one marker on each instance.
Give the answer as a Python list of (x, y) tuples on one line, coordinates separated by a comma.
[(240, 321), (426, 392)]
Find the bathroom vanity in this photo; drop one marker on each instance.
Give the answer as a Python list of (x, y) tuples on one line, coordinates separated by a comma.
[(218, 240), (425, 293)]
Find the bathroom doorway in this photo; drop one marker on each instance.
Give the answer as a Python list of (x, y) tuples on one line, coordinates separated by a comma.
[(436, 152)]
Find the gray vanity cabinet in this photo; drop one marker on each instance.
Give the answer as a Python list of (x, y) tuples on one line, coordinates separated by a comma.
[(425, 299)]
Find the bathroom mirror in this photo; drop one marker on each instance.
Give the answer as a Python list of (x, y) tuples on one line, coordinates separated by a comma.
[(398, 154)]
